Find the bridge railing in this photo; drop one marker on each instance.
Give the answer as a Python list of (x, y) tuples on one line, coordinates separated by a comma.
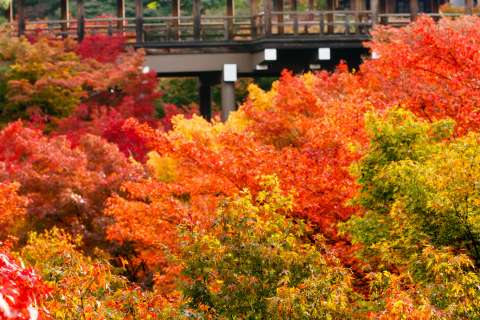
[(225, 28)]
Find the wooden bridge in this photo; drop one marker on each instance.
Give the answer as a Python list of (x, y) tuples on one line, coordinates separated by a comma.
[(221, 48)]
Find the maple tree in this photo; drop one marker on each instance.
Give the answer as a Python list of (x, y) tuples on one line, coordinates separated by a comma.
[(419, 235), (65, 186), (277, 274), (429, 67)]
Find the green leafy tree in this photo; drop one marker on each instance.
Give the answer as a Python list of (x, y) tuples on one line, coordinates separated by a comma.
[(419, 187), (255, 263)]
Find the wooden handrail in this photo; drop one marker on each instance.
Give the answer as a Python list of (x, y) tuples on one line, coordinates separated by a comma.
[(232, 27)]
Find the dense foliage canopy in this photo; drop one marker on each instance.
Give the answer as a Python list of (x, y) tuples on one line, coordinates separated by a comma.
[(342, 195)]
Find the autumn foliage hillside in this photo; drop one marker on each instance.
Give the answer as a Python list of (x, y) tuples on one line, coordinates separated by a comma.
[(344, 195)]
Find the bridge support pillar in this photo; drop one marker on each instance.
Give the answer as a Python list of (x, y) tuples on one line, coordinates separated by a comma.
[(205, 97), (228, 90)]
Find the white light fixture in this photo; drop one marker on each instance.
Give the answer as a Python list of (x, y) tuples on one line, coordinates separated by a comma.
[(324, 54), (229, 72), (261, 67), (270, 54)]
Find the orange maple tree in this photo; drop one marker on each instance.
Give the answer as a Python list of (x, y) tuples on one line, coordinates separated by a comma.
[(431, 68)]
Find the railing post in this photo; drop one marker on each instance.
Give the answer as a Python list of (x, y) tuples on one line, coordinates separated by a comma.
[(279, 13), (414, 9), (268, 17), (230, 14), (322, 23), (374, 9), (175, 21), (347, 24), (139, 22), (310, 17), (295, 16), (330, 17), (253, 18), (205, 96), (21, 17), (65, 16), (197, 19), (110, 29), (80, 20), (358, 5), (120, 15), (469, 7)]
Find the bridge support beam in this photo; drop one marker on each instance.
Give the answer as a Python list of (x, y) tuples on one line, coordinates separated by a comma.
[(228, 90)]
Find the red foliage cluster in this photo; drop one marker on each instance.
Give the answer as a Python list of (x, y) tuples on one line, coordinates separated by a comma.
[(100, 47), (65, 186), (21, 291), (431, 68), (128, 93)]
